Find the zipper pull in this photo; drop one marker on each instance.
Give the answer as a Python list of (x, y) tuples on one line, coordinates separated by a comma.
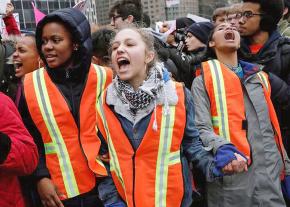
[(67, 74)]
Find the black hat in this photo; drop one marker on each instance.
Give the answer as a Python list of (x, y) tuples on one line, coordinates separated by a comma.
[(201, 30)]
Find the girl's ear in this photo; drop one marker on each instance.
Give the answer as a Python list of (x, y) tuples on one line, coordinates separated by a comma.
[(211, 43), (149, 57)]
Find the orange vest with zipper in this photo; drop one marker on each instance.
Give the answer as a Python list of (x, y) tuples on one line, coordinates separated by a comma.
[(225, 93), (71, 151), (151, 176)]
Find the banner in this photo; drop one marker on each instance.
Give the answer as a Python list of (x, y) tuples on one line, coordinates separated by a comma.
[(170, 3)]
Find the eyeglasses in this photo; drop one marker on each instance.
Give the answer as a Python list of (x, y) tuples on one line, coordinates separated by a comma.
[(115, 17), (247, 14)]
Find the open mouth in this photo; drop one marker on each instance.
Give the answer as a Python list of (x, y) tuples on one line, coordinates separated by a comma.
[(18, 64), (229, 35), (123, 62)]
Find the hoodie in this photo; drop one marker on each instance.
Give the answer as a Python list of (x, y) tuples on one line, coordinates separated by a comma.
[(70, 81), (70, 86)]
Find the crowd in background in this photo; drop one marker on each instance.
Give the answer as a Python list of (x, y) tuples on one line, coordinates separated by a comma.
[(194, 114)]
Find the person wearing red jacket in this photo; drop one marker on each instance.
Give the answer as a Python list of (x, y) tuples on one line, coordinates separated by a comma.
[(10, 22), (18, 154)]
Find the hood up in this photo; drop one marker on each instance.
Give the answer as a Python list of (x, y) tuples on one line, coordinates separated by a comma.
[(79, 27)]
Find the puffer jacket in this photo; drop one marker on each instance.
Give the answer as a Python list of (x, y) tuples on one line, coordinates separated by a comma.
[(18, 154), (275, 57)]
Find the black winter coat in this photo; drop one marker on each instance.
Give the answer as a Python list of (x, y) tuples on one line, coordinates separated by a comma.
[(275, 57)]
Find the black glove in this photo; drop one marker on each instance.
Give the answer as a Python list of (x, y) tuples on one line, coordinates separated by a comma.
[(5, 145)]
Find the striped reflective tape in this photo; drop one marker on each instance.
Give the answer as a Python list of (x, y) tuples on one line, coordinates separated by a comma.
[(220, 98), (263, 79), (114, 162), (57, 144), (165, 158), (101, 79)]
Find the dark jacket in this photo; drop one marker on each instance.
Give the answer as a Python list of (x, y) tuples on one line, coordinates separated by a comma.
[(18, 154), (70, 81), (275, 57), (186, 64)]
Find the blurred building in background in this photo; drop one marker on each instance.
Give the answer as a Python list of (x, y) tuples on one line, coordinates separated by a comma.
[(160, 10), (26, 16), (97, 10)]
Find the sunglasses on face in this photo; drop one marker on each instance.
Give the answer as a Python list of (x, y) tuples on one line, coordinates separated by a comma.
[(247, 14)]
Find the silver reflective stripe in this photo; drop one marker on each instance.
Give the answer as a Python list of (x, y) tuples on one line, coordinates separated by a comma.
[(101, 81), (220, 98), (174, 158), (166, 131), (55, 134), (114, 162), (49, 148), (263, 79)]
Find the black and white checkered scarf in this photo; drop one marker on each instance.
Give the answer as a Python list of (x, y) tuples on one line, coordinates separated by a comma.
[(145, 94)]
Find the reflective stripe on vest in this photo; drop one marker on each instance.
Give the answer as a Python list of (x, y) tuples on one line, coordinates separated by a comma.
[(71, 151), (58, 146), (164, 156), (274, 120), (220, 98), (226, 106), (167, 155), (114, 163), (264, 80)]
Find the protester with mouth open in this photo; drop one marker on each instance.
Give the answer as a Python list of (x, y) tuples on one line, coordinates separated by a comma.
[(234, 112), (147, 128), (59, 111)]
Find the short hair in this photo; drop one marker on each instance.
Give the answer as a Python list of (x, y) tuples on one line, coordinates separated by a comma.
[(272, 11), (101, 43), (146, 20), (234, 8), (126, 8), (221, 11)]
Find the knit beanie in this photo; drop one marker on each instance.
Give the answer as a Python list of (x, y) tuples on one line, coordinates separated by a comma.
[(201, 30)]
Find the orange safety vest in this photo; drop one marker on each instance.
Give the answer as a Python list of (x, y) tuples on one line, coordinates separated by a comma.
[(227, 105), (71, 152), (151, 175)]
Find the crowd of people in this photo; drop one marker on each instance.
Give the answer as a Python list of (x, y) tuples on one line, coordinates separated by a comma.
[(196, 114)]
